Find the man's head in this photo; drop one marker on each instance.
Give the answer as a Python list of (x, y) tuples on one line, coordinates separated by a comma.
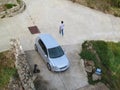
[(61, 21)]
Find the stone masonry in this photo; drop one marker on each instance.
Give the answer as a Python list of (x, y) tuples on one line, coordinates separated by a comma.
[(20, 7), (22, 66)]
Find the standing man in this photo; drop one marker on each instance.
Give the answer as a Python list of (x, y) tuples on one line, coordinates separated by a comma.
[(61, 28)]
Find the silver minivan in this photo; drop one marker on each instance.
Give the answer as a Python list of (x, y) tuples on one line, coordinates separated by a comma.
[(51, 52)]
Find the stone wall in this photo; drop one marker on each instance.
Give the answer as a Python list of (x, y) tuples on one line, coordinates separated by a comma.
[(13, 11), (22, 66)]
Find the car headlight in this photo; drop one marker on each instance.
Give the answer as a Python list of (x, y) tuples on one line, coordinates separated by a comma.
[(56, 68)]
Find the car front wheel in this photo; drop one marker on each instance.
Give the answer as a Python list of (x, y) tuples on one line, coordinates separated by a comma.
[(48, 66), (36, 49)]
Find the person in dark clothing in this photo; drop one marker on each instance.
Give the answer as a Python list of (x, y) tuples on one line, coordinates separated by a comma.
[(36, 70)]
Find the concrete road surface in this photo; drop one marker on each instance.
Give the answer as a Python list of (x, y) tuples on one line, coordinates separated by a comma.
[(81, 23)]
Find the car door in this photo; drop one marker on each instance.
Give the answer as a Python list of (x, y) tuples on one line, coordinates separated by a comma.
[(42, 50)]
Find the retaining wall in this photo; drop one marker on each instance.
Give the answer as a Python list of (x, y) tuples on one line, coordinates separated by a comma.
[(13, 11), (22, 66)]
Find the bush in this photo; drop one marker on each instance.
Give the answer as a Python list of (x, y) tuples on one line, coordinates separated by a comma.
[(87, 54), (107, 6), (103, 51), (115, 3), (115, 11), (8, 6)]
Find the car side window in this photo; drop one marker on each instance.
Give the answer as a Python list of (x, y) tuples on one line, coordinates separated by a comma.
[(43, 46)]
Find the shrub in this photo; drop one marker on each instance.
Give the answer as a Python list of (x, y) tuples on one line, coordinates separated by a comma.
[(103, 51), (115, 11), (87, 54), (103, 5), (8, 6), (115, 3)]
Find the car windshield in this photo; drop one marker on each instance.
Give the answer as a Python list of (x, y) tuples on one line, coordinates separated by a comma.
[(55, 52)]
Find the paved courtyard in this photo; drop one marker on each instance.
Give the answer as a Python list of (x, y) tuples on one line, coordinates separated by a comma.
[(81, 23), (72, 79)]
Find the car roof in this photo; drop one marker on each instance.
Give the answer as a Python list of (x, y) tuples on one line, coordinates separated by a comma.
[(48, 40)]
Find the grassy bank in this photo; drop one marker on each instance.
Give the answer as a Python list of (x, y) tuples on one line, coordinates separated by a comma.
[(109, 54), (7, 69), (107, 6)]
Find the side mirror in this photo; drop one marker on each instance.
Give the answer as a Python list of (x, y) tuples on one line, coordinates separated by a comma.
[(45, 55)]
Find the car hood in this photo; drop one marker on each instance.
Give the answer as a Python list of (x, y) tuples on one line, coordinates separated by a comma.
[(60, 61)]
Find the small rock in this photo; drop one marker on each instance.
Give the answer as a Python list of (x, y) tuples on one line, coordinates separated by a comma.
[(96, 77), (89, 48), (90, 63), (88, 69)]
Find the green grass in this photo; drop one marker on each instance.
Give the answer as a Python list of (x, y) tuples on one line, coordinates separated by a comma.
[(7, 69), (87, 54), (5, 75), (8, 6), (103, 51), (109, 54)]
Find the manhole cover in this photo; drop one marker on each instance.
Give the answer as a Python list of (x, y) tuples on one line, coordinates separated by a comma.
[(34, 29)]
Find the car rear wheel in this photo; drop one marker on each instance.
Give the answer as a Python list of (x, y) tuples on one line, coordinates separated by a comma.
[(48, 66), (36, 49)]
